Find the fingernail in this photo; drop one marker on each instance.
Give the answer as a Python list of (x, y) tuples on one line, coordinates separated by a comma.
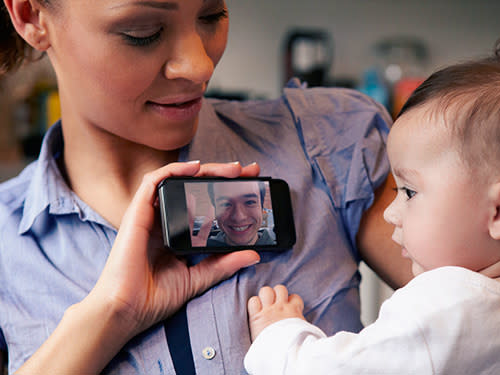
[(253, 263), (194, 162), (235, 162)]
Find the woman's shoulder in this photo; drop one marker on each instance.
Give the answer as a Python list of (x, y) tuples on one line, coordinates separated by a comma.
[(300, 101), (332, 100)]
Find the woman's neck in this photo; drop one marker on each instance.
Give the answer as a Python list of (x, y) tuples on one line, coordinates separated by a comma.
[(105, 171)]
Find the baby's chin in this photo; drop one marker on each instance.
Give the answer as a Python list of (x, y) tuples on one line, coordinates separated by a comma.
[(416, 269)]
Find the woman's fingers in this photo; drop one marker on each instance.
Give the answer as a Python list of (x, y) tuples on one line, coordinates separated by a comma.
[(139, 211), (189, 168), (251, 170), (219, 169), (229, 170)]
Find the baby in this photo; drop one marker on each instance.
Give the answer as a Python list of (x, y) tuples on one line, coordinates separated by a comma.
[(444, 150)]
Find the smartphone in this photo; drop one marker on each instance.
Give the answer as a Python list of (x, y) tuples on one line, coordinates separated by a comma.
[(216, 214)]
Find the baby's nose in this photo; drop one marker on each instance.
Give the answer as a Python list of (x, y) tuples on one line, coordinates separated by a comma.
[(391, 214)]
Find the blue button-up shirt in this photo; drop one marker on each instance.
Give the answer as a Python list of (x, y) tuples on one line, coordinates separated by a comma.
[(328, 144)]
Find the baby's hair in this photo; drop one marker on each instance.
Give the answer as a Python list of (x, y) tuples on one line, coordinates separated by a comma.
[(467, 96)]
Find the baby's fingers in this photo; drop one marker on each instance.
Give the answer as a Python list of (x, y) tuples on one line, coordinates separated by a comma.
[(297, 301), (281, 293), (267, 296), (254, 306)]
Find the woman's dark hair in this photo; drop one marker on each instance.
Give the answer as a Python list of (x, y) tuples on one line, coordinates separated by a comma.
[(13, 49)]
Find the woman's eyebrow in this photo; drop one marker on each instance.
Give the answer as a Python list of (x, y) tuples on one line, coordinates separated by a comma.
[(150, 4)]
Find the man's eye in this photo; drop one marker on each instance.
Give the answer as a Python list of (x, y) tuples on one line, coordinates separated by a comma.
[(251, 203)]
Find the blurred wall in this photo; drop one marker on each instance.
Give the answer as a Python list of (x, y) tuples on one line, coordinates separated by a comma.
[(452, 29)]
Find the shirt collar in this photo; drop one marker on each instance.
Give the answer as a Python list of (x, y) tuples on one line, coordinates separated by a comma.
[(48, 189)]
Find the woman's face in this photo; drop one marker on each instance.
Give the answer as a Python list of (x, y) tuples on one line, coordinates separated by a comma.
[(136, 69)]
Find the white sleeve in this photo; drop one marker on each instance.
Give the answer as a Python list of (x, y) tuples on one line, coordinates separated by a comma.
[(442, 322), (292, 346), (268, 354)]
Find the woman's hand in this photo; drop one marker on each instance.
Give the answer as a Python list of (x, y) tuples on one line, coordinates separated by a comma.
[(142, 279), (141, 284)]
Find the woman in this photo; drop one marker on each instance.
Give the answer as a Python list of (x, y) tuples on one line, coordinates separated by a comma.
[(131, 77)]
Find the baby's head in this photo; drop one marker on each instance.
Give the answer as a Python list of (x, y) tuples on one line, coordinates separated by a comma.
[(465, 99), (444, 150)]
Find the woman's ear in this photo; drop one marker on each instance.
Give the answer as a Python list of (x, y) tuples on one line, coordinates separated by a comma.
[(27, 18), (494, 216)]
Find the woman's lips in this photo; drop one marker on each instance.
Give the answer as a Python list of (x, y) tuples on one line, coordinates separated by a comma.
[(179, 111)]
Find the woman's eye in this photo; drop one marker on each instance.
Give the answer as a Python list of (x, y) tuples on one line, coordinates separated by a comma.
[(215, 17), (137, 40)]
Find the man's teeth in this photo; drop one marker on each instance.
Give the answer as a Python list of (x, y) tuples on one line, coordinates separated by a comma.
[(241, 229)]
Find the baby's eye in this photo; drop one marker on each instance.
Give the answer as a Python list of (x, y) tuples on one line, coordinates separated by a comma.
[(409, 193)]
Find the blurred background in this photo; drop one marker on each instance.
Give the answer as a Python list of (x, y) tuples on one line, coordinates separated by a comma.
[(384, 48)]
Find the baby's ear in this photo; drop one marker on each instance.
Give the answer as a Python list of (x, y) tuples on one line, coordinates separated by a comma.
[(494, 216)]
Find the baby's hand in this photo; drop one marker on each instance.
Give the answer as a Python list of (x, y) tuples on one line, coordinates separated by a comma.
[(270, 306)]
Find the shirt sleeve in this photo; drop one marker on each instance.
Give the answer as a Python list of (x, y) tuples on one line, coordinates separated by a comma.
[(295, 347), (344, 136)]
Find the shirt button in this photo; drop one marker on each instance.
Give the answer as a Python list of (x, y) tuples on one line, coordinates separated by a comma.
[(208, 352)]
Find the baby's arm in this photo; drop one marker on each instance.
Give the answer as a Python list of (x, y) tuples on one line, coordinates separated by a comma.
[(294, 346), (271, 306)]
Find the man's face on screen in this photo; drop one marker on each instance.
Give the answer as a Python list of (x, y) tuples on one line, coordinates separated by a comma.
[(238, 210)]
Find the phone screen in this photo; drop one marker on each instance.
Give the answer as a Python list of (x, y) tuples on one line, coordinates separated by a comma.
[(217, 214), (230, 213)]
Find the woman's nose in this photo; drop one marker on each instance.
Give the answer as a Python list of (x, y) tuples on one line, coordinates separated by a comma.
[(189, 60)]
